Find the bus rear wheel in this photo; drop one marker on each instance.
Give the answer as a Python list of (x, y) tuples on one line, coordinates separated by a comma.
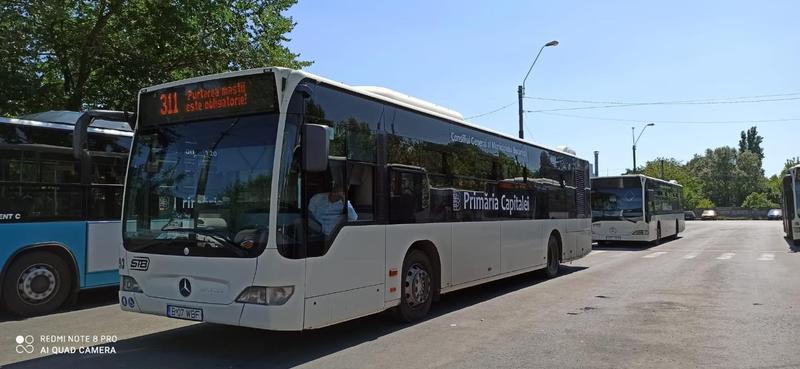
[(36, 283), (416, 288)]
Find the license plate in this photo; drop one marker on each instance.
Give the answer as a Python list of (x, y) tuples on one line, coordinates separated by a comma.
[(186, 313), (614, 238)]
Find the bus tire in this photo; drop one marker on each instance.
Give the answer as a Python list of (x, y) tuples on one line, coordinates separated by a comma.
[(416, 287), (36, 283), (553, 260), (677, 229), (658, 234)]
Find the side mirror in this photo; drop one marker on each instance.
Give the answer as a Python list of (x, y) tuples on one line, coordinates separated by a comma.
[(315, 148)]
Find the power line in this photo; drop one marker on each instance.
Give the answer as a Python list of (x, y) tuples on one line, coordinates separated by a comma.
[(622, 105), (490, 112), (705, 100), (670, 121)]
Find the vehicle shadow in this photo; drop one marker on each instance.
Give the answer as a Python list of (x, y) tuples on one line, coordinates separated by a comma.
[(631, 245), (211, 345), (87, 299)]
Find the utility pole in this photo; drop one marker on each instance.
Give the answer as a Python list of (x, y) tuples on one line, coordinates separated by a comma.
[(520, 92), (521, 88), (637, 140)]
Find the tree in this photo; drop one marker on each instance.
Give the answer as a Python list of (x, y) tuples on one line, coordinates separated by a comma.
[(675, 170), (751, 141), (775, 182), (757, 200), (705, 204), (99, 53)]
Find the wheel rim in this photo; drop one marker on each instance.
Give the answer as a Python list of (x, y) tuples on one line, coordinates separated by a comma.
[(417, 285), (37, 284)]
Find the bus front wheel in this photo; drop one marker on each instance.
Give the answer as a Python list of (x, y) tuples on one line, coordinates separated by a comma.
[(553, 259), (36, 283), (416, 287), (658, 235)]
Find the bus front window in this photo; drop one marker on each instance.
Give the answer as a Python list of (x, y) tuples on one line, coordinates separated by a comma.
[(202, 187), (797, 190), (617, 204)]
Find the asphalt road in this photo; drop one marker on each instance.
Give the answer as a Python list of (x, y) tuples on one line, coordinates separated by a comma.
[(726, 294)]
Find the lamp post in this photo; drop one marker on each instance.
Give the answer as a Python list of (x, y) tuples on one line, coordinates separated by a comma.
[(637, 140), (521, 88)]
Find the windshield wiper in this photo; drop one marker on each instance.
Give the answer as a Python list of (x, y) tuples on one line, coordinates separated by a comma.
[(220, 238)]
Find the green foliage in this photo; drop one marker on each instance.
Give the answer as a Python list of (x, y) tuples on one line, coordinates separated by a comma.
[(791, 162), (69, 54), (675, 170), (758, 200), (705, 204), (751, 141)]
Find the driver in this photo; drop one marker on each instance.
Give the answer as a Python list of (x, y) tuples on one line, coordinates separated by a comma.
[(328, 208)]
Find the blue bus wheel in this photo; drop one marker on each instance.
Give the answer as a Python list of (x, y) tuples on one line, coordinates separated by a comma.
[(36, 283)]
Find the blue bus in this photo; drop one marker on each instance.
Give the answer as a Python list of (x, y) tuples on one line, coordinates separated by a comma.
[(61, 184)]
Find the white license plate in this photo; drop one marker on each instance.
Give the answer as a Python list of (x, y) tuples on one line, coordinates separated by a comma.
[(614, 238), (186, 313)]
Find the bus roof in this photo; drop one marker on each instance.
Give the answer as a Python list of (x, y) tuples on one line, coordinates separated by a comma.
[(66, 120), (640, 176), (407, 101)]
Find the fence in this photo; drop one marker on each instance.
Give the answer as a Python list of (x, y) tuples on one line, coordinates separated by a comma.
[(737, 213)]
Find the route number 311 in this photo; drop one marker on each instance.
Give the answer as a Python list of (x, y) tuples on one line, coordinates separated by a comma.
[(169, 103)]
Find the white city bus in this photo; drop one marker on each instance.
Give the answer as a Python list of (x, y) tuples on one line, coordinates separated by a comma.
[(276, 199), (791, 202), (636, 208)]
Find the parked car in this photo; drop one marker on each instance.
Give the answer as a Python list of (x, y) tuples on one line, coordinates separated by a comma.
[(775, 214), (709, 214), (689, 215)]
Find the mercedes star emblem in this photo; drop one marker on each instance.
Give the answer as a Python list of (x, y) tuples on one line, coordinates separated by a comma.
[(184, 287)]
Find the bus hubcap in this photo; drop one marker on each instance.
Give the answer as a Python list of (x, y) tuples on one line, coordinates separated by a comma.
[(417, 286), (37, 283)]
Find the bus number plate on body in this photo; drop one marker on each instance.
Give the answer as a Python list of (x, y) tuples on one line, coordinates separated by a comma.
[(186, 313), (617, 238)]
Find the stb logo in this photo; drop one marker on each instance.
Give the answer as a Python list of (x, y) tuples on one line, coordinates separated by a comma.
[(456, 201), (184, 287), (140, 263), (24, 344)]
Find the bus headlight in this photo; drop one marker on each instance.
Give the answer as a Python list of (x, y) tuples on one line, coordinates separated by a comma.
[(265, 295), (129, 284), (641, 232)]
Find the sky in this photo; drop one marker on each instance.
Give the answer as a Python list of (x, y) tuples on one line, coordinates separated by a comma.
[(470, 56)]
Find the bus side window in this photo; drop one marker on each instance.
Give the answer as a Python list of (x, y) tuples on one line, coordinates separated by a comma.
[(360, 192)]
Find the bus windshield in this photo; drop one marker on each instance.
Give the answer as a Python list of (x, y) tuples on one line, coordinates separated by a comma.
[(201, 188), (617, 204)]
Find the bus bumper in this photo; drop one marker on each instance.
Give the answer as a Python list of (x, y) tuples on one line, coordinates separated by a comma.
[(279, 318), (617, 237)]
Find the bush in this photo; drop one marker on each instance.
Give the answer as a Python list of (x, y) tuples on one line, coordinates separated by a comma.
[(758, 200)]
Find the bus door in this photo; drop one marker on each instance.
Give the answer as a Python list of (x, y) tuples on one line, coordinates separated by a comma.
[(345, 247)]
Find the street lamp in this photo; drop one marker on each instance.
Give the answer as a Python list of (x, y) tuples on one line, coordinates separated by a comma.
[(637, 140), (521, 88)]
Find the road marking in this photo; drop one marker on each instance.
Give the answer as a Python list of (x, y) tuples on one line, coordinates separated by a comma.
[(655, 254), (594, 252), (691, 255), (767, 257), (726, 256)]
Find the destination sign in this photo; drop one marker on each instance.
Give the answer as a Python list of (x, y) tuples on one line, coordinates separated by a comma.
[(255, 93)]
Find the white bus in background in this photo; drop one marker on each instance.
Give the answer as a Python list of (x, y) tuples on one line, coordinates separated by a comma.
[(276, 199), (636, 208), (791, 203)]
